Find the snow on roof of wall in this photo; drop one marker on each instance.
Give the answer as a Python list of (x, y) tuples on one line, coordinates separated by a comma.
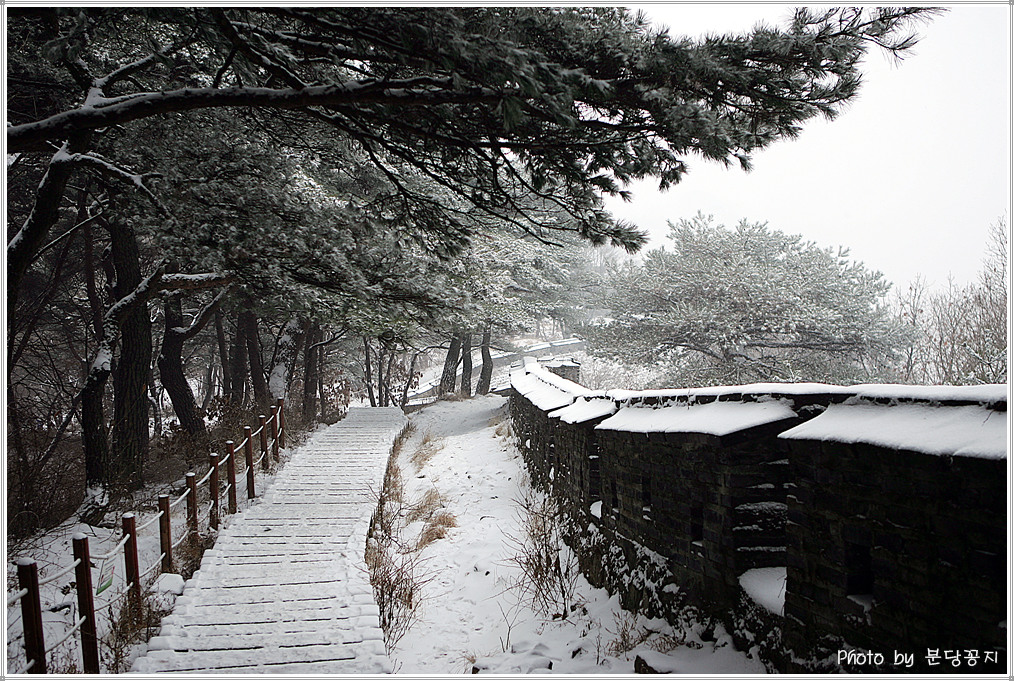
[(929, 393), (541, 394), (714, 418), (934, 393), (560, 362), (961, 431), (585, 410)]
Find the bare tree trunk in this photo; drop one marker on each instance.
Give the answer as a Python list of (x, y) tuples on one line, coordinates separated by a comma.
[(299, 340), (223, 355), (94, 438), (248, 320), (466, 365), (311, 356), (408, 380), (486, 373), (156, 407), (209, 384), (130, 378), (380, 376), (369, 373), (93, 420), (170, 369), (390, 370), (321, 363), (283, 358), (449, 375), (238, 366)]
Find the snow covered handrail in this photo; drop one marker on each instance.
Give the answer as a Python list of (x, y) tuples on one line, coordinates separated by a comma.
[(70, 632), (152, 521), (113, 551), (61, 573), (17, 596), (154, 566), (29, 584), (180, 499), (206, 477)]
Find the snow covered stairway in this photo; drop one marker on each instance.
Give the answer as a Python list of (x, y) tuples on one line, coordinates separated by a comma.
[(284, 588)]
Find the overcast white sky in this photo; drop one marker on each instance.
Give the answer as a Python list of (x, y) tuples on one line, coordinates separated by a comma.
[(909, 177)]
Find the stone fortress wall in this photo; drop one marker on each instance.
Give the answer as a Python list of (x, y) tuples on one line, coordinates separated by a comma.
[(812, 520)]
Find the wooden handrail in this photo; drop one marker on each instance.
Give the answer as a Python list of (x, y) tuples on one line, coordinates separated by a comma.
[(28, 572)]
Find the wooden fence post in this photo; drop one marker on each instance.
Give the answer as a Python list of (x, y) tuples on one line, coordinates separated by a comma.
[(281, 415), (213, 459), (86, 605), (248, 454), (274, 431), (230, 469), (31, 615), (264, 441), (165, 529), (131, 569), (192, 526)]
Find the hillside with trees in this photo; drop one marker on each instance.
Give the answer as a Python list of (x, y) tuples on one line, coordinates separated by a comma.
[(210, 208)]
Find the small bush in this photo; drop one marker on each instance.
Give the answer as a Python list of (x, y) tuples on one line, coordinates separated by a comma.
[(425, 507), (395, 570)]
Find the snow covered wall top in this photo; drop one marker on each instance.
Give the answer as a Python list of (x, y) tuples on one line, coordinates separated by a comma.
[(713, 418), (956, 420), (543, 388), (927, 428)]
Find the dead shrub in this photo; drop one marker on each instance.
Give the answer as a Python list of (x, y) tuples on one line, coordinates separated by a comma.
[(549, 570), (396, 571), (398, 580), (628, 634), (132, 624)]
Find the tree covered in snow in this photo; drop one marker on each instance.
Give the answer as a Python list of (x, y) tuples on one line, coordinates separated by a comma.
[(958, 334), (208, 203), (727, 306), (491, 103)]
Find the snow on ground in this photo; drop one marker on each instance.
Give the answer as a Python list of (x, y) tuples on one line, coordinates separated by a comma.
[(469, 616), (765, 586)]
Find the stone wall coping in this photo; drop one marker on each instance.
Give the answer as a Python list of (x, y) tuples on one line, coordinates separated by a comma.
[(994, 394), (962, 430), (713, 418)]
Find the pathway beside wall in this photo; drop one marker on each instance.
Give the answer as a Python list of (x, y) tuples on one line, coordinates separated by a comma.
[(283, 590)]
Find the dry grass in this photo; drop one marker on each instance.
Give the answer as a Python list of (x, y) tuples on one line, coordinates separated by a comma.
[(428, 447), (425, 507), (436, 528), (430, 510)]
